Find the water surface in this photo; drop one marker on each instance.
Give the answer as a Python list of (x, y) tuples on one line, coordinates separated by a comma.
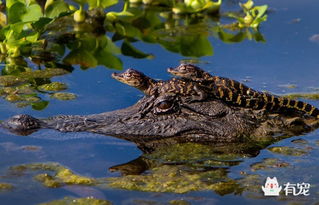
[(288, 56)]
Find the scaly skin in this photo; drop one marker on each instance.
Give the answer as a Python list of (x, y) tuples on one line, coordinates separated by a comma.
[(162, 119), (137, 80), (151, 87), (239, 93), (195, 73)]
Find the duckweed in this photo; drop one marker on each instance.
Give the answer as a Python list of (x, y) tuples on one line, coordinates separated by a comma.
[(78, 201)]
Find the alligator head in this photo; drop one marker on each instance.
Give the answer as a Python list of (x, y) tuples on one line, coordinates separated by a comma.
[(166, 118)]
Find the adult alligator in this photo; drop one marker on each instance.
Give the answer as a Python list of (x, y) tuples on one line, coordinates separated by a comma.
[(166, 116)]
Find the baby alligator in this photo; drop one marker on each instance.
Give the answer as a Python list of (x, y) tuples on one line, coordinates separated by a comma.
[(192, 91), (151, 87), (239, 93)]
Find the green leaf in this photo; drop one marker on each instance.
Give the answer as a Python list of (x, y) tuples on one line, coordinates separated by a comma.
[(107, 44), (39, 105), (9, 3), (196, 46), (122, 16), (101, 3), (261, 10), (108, 59), (15, 12), (33, 13), (88, 43), (80, 57), (128, 30), (231, 38), (259, 37), (32, 37), (41, 23), (129, 50), (56, 9)]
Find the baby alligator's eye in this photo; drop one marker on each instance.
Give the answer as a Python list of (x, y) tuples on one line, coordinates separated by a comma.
[(164, 105)]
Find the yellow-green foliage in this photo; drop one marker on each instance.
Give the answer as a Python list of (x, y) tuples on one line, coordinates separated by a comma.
[(60, 176), (291, 151), (78, 201)]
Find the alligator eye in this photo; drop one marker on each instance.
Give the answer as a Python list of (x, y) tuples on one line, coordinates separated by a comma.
[(164, 105)]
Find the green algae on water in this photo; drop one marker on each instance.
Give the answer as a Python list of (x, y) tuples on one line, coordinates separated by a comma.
[(64, 96), (290, 151), (5, 186), (174, 179), (59, 177), (54, 86), (310, 96), (78, 201), (268, 163)]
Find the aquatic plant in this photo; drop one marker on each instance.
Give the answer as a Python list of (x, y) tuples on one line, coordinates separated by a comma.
[(56, 35)]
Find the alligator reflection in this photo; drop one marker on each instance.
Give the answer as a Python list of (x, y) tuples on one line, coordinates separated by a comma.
[(191, 167)]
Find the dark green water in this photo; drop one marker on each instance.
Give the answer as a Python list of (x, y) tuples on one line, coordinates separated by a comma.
[(289, 56)]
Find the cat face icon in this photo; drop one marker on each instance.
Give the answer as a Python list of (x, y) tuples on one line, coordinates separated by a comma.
[(271, 187)]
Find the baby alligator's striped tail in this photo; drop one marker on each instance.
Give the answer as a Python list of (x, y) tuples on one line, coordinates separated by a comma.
[(264, 101), (299, 105)]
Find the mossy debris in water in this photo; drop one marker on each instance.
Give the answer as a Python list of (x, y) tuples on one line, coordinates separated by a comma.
[(310, 96), (179, 202), (192, 152), (10, 80), (5, 186), (78, 201), (63, 96), (268, 163), (174, 179), (23, 88), (290, 151), (45, 73), (61, 175), (54, 86)]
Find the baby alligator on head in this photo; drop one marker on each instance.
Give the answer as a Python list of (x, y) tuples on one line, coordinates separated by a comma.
[(239, 93), (151, 87)]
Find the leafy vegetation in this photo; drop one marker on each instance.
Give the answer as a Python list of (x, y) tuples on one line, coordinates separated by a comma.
[(38, 36)]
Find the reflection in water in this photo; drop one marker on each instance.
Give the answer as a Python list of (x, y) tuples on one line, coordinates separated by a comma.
[(177, 168), (57, 42)]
